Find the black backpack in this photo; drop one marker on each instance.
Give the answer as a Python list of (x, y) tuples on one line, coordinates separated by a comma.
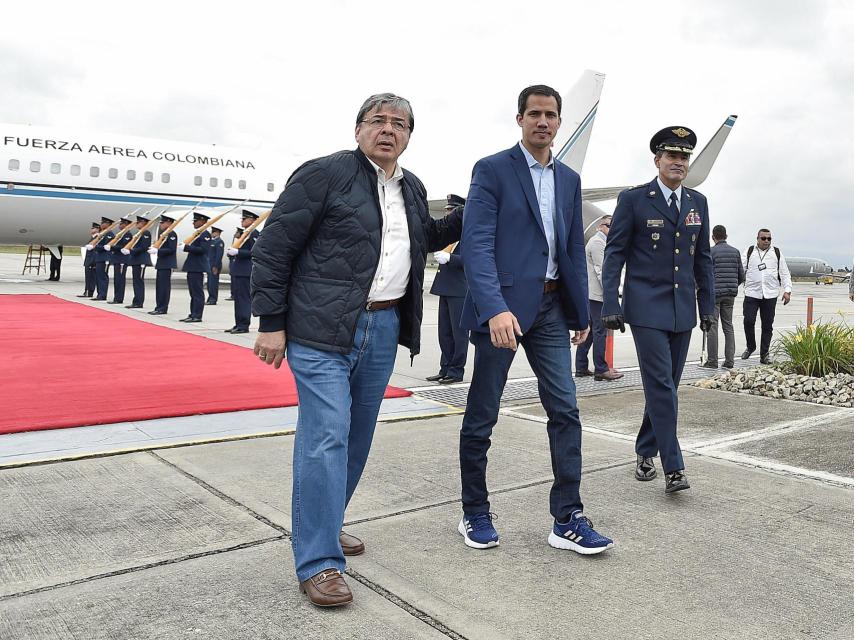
[(776, 251)]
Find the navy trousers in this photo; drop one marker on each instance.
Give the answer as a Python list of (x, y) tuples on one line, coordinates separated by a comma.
[(119, 282), (162, 289), (213, 286), (242, 301), (547, 348), (195, 283), (102, 280), (89, 276), (661, 356), (596, 339), (137, 272), (453, 339)]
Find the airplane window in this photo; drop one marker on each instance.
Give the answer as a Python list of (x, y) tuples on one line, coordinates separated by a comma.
[(214, 182), (75, 169), (269, 186), (131, 175), (227, 183), (241, 184), (94, 172), (54, 167), (14, 165), (113, 173), (148, 176), (164, 177), (197, 181), (35, 166)]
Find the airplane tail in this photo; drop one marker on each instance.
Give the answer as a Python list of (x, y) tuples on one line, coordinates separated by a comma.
[(578, 114), (702, 165)]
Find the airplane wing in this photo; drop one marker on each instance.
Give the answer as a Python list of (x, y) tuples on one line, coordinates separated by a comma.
[(578, 113), (604, 193), (699, 169)]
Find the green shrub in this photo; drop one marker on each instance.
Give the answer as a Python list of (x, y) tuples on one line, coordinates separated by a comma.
[(817, 350)]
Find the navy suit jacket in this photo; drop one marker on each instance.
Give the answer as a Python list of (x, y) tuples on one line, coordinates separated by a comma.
[(450, 281), (166, 258), (139, 254), (667, 258), (117, 257), (197, 261), (101, 254), (242, 264), (504, 245)]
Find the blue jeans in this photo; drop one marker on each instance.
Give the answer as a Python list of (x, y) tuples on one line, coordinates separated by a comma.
[(596, 338), (547, 348), (339, 400)]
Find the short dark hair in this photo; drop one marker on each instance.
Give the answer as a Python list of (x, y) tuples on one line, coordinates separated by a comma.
[(763, 231), (719, 232), (538, 90), (394, 101)]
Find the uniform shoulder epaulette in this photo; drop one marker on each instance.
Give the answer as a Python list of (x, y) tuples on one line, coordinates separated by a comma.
[(638, 186)]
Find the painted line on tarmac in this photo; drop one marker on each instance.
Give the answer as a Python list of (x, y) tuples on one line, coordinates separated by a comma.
[(778, 467), (615, 435)]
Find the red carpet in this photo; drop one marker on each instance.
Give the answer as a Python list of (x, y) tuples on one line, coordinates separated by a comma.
[(66, 365)]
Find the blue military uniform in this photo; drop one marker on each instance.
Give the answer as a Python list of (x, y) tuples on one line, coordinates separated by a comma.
[(138, 260), (102, 258), (89, 267), (166, 261), (119, 261), (196, 265), (665, 249), (215, 254), (241, 270)]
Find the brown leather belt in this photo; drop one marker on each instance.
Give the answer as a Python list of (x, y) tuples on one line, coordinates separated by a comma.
[(549, 286), (382, 304)]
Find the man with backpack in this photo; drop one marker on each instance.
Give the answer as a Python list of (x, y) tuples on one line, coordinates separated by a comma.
[(766, 272)]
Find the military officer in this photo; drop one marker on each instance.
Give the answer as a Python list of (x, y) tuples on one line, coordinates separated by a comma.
[(241, 269), (660, 232), (166, 261), (215, 253), (138, 259), (119, 260), (196, 265), (237, 234), (89, 265), (102, 280)]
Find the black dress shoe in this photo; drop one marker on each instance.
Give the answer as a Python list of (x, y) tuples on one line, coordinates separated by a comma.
[(240, 331), (156, 312), (84, 295), (229, 298), (187, 319), (133, 306), (210, 303), (728, 365), (435, 378), (115, 302), (747, 353), (449, 380), (676, 481), (709, 365), (191, 320), (766, 359), (99, 299), (645, 469), (229, 330), (583, 373)]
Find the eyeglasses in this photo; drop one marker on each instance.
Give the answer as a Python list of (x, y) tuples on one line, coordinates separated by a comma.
[(378, 122), (764, 237)]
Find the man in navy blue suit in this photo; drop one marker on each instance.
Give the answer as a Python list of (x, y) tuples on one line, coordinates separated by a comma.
[(450, 285), (660, 232), (523, 251)]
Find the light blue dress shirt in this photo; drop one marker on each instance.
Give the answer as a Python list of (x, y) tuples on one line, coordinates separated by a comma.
[(666, 191), (544, 186)]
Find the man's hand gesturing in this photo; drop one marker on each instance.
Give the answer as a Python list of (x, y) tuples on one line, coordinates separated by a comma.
[(503, 329)]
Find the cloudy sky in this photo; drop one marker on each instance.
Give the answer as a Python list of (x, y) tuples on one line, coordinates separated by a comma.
[(289, 79)]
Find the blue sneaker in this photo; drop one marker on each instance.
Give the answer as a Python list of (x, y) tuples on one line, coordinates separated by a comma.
[(578, 535), (478, 531)]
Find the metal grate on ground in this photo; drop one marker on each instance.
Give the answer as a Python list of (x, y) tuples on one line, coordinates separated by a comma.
[(516, 390)]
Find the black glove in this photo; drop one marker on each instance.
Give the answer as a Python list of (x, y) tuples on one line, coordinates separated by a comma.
[(614, 322), (706, 322)]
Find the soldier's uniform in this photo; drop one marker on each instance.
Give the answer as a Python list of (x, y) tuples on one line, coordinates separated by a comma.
[(102, 258), (241, 270), (89, 266), (119, 261), (138, 259), (664, 245), (196, 265), (166, 261), (215, 253), (237, 234)]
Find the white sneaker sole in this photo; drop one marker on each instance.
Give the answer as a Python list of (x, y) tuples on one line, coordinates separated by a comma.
[(471, 543), (562, 543)]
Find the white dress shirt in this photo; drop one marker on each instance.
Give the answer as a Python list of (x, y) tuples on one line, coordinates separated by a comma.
[(395, 263), (763, 283)]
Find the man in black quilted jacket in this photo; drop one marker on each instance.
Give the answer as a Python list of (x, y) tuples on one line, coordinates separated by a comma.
[(729, 273), (337, 279)]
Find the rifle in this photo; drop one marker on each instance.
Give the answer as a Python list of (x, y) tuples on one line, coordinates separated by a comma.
[(132, 243), (165, 234), (94, 241), (211, 223), (245, 236)]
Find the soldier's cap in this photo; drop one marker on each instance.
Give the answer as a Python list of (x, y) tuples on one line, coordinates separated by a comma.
[(96, 225), (125, 219), (678, 139), (216, 229), (200, 216), (454, 201), (249, 214), (165, 218), (140, 217), (105, 220)]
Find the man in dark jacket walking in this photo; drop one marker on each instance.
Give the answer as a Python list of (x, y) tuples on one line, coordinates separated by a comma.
[(337, 276), (729, 273)]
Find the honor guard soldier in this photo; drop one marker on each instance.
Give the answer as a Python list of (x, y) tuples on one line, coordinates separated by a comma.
[(102, 280), (89, 265), (166, 261), (196, 265), (237, 234), (241, 269), (119, 261), (215, 253), (138, 259), (660, 232)]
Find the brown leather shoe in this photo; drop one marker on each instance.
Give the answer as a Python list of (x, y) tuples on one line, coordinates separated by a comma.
[(327, 589), (610, 375), (351, 545)]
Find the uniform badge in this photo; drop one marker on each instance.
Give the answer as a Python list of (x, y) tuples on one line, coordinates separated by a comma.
[(693, 237), (691, 250), (682, 133), (652, 193), (655, 236), (693, 218), (655, 223)]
